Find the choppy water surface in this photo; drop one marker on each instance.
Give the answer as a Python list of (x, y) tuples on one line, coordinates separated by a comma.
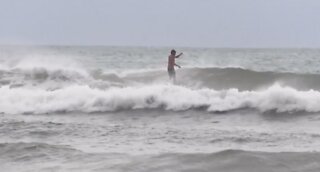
[(114, 109)]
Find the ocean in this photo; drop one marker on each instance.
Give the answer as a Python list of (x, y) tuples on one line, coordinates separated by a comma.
[(98, 108)]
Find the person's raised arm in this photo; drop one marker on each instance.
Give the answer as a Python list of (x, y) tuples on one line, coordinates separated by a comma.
[(179, 55)]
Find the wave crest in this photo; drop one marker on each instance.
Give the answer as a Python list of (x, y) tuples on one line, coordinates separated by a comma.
[(167, 97)]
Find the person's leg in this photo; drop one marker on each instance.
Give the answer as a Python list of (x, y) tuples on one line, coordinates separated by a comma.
[(172, 75)]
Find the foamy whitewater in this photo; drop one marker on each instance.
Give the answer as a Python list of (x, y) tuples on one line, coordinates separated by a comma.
[(115, 109)]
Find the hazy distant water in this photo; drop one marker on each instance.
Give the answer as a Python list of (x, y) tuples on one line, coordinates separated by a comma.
[(107, 58), (114, 109)]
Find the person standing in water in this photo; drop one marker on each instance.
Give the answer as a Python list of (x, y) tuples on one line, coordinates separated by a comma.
[(171, 63)]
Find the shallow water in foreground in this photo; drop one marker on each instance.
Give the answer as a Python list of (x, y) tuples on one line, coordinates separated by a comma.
[(157, 140)]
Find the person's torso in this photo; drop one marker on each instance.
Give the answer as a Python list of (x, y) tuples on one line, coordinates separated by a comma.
[(171, 62)]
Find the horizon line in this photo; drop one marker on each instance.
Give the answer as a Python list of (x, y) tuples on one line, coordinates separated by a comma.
[(160, 46)]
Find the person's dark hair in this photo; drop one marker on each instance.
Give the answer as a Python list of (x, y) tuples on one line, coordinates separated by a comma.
[(173, 51)]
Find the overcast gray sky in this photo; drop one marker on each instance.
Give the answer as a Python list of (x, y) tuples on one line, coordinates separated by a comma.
[(200, 23)]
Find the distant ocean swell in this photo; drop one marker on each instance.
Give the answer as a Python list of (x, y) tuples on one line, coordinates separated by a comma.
[(83, 98)]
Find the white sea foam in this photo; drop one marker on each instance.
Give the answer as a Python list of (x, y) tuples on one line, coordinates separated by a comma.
[(167, 97), (49, 63)]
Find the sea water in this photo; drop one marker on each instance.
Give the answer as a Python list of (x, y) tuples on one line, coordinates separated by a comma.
[(72, 108)]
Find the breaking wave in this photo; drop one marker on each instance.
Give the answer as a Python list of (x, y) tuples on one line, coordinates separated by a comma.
[(38, 87), (166, 97)]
